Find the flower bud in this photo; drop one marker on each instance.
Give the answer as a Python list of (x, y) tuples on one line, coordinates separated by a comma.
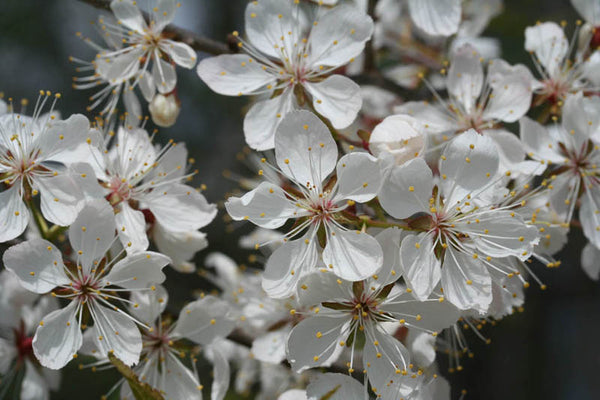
[(164, 110), (396, 135)]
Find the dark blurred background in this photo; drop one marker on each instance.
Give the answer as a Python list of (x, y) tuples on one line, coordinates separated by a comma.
[(548, 351)]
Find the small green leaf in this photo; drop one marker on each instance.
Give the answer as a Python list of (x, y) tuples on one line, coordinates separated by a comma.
[(140, 390)]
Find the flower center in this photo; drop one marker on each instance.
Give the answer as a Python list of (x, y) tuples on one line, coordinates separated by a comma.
[(120, 190), (85, 289), (23, 342), (321, 211)]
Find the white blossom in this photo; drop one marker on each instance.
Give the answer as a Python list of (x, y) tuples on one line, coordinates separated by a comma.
[(90, 283), (290, 53), (477, 101), (307, 154), (460, 232), (138, 54), (35, 155), (570, 149), (560, 75), (349, 310), (145, 184)]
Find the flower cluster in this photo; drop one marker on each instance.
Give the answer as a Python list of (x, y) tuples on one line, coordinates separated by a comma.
[(385, 223)]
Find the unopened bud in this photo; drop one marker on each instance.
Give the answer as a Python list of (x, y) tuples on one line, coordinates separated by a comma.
[(164, 110)]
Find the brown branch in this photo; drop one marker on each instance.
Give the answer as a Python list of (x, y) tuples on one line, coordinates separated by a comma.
[(192, 39), (370, 62)]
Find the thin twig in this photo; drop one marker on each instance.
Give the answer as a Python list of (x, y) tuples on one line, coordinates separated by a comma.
[(192, 39), (370, 62)]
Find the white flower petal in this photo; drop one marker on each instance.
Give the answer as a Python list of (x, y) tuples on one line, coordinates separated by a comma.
[(178, 382), (180, 246), (358, 177), (261, 122), (228, 273), (466, 282), (510, 99), (538, 142), (510, 148), (150, 304), (313, 342), (337, 98), (588, 10), (436, 17), (465, 77), (589, 262), (293, 394), (182, 54), (62, 138), (385, 358), (164, 14), (116, 333), (164, 75), (52, 378), (591, 68), (146, 85), (131, 227), (266, 206), (172, 162), (581, 121), (397, 136), (429, 314), (488, 48), (288, 263), (270, 347), (180, 207), (221, 373), (58, 337), (352, 255), (320, 287), (563, 191), (304, 148), (389, 239), (134, 153), (14, 215), (266, 23), (129, 14), (86, 179), (93, 232), (433, 119), (407, 189), (470, 161), (547, 40), (420, 266), (8, 353), (33, 262), (133, 108), (122, 67), (500, 233), (34, 386), (204, 320), (339, 36), (336, 387), (422, 348), (234, 74), (138, 271), (59, 197), (589, 214)]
